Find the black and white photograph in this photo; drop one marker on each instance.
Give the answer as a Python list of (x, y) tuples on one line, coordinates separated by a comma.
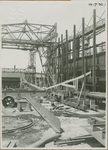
[(53, 74)]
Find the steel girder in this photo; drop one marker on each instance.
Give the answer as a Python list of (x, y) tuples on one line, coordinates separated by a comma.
[(27, 36)]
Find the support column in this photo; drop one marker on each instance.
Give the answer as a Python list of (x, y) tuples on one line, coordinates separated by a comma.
[(53, 79), (74, 53), (94, 51), (56, 32), (83, 57), (59, 62), (82, 45), (41, 79), (66, 54), (62, 57), (35, 75), (14, 68)]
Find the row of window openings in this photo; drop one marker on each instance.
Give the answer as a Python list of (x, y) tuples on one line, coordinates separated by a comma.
[(87, 52)]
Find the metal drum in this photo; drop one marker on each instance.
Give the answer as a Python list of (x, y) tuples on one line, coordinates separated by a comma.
[(8, 101)]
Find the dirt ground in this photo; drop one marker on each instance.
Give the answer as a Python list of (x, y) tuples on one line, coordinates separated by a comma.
[(28, 136), (72, 126)]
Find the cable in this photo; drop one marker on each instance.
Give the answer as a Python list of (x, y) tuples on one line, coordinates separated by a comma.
[(102, 14), (90, 20), (20, 128)]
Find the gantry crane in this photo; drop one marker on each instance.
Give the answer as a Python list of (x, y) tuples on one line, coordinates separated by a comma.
[(35, 38)]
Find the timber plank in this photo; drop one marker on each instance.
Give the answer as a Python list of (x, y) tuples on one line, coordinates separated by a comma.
[(51, 119), (96, 134)]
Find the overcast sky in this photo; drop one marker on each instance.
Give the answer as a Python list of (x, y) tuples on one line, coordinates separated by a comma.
[(65, 14)]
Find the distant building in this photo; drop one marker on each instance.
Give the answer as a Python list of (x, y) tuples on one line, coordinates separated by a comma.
[(11, 77)]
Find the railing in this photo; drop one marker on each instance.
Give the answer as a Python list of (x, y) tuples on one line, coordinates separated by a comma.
[(18, 70), (87, 29), (22, 41), (101, 47)]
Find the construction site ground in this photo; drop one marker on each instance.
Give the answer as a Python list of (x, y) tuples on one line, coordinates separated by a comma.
[(72, 127)]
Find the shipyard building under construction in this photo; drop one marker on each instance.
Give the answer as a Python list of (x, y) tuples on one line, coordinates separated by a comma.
[(70, 88)]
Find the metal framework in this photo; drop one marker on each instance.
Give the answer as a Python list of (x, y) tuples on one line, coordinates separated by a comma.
[(71, 48), (54, 56), (37, 38)]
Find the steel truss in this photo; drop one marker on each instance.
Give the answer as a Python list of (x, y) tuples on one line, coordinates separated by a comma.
[(36, 38), (42, 39)]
